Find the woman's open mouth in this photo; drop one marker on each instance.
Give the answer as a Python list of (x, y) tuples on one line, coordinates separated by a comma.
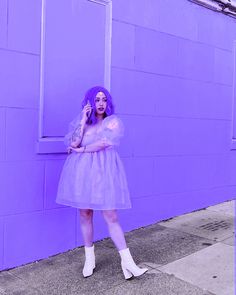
[(101, 109)]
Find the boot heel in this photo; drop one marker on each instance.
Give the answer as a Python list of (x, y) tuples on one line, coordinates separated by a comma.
[(128, 265), (126, 273)]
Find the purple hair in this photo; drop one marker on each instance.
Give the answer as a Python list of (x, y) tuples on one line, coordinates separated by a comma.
[(90, 96)]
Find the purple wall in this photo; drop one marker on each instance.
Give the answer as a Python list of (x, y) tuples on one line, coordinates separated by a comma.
[(172, 82)]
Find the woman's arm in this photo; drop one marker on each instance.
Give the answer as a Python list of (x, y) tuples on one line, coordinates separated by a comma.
[(93, 147), (77, 135)]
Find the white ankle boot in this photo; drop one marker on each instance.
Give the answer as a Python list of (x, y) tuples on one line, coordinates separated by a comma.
[(89, 264), (128, 265)]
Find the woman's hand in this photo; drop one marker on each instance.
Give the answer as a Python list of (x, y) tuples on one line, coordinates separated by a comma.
[(77, 150), (69, 149), (86, 111)]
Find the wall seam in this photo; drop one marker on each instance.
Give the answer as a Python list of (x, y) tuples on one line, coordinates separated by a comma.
[(172, 35), (3, 250), (44, 185), (171, 76), (18, 51), (34, 211), (7, 22), (76, 227), (185, 191), (5, 134), (21, 108), (175, 117)]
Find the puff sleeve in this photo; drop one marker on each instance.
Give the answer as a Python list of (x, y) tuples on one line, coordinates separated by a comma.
[(112, 130)]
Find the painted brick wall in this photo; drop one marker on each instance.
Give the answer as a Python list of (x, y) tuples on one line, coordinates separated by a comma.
[(172, 81), (173, 78)]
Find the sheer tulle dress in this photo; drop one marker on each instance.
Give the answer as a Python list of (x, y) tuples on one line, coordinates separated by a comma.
[(96, 180)]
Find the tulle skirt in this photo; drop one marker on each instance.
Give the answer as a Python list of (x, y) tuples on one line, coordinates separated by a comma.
[(94, 181)]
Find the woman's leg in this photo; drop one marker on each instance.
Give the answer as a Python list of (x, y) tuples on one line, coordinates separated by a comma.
[(115, 229), (128, 265), (86, 225)]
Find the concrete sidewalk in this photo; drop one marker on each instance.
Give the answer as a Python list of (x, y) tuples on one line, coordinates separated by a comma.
[(187, 255)]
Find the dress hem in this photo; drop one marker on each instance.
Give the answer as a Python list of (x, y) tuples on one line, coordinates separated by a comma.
[(71, 204)]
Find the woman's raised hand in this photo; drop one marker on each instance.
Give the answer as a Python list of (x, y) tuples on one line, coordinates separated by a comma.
[(86, 111)]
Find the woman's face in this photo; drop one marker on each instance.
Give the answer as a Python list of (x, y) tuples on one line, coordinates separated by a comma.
[(100, 103)]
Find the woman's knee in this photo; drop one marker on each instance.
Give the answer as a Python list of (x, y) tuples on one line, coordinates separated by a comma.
[(110, 216), (86, 214)]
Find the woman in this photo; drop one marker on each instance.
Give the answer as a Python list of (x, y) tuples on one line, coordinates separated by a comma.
[(93, 176)]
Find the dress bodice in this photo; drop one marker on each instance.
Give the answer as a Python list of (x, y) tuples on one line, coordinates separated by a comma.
[(91, 134), (110, 129)]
